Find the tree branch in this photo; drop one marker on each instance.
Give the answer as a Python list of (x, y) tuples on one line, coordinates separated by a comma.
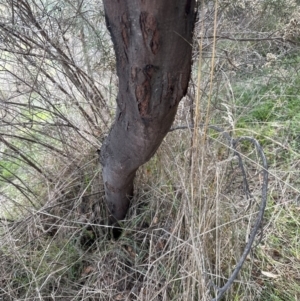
[(280, 39)]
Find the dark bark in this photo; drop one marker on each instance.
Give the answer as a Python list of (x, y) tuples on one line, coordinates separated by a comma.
[(153, 45)]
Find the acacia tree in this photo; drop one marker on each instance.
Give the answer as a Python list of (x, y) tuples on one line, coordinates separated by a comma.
[(153, 46)]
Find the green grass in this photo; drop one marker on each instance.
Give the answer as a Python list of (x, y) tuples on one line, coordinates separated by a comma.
[(272, 115)]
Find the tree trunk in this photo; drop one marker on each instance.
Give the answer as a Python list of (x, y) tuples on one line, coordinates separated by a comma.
[(153, 45)]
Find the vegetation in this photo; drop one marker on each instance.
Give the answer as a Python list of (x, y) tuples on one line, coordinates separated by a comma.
[(190, 217)]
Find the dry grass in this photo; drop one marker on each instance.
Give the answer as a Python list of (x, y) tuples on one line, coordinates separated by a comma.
[(172, 246), (179, 236), (189, 220)]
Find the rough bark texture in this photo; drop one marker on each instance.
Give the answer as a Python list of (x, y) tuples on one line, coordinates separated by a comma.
[(152, 41)]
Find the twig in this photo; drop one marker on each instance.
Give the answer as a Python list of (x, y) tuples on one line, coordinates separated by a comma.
[(280, 39)]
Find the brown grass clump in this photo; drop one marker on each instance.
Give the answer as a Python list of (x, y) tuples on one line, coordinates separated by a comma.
[(172, 245)]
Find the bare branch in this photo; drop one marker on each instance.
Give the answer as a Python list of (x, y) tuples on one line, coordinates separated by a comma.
[(280, 39)]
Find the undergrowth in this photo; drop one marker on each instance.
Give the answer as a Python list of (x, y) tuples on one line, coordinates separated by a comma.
[(190, 217)]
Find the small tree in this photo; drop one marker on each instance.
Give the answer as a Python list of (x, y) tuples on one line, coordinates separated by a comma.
[(153, 47)]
